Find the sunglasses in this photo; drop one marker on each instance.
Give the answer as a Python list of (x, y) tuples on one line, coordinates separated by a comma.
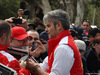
[(87, 21)]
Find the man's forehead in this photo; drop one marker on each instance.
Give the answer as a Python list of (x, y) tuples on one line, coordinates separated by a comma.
[(85, 23), (45, 23), (98, 35), (48, 22)]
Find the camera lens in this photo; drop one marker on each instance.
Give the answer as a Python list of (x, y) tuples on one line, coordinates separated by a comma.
[(26, 12)]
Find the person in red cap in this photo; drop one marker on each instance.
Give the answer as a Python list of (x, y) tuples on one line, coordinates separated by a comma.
[(20, 41), (6, 58), (20, 38)]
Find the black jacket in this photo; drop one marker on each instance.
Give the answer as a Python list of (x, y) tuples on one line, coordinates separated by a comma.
[(93, 64)]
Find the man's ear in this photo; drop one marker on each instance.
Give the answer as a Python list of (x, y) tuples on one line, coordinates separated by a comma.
[(58, 25), (3, 37), (91, 37)]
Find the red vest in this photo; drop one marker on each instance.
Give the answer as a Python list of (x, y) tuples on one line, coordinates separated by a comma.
[(8, 60), (53, 43)]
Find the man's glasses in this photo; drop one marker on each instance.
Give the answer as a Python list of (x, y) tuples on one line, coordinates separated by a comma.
[(34, 39), (24, 40)]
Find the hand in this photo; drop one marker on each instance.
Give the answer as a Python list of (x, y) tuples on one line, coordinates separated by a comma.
[(35, 68), (23, 64), (9, 20), (30, 64), (40, 49), (20, 12), (24, 23)]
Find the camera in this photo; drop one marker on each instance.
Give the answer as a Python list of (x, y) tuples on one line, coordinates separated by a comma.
[(34, 45), (23, 6), (26, 12), (17, 21)]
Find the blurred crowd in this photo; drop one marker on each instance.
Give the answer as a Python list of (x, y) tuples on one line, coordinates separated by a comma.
[(30, 40)]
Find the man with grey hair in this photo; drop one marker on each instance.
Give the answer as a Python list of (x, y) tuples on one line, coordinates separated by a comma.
[(63, 55)]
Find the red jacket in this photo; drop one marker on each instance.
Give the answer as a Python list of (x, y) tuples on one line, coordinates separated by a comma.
[(10, 61), (53, 43)]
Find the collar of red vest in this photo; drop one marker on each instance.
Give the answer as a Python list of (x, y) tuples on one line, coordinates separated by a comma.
[(3, 47), (54, 42)]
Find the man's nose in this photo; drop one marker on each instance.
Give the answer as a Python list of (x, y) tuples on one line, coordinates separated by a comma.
[(46, 29), (26, 43)]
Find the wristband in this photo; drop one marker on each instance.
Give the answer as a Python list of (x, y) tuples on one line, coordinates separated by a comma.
[(35, 68)]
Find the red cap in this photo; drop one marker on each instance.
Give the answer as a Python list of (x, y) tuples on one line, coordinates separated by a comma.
[(19, 33)]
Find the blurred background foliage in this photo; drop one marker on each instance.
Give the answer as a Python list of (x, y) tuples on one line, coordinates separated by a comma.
[(93, 5), (9, 8)]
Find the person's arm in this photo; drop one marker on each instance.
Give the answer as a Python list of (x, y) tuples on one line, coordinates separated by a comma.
[(39, 71), (62, 64), (20, 12), (35, 68), (24, 22)]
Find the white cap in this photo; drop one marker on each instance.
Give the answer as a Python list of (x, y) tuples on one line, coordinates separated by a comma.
[(81, 44)]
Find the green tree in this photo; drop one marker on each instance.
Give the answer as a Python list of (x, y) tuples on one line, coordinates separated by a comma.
[(95, 2), (9, 8), (94, 5)]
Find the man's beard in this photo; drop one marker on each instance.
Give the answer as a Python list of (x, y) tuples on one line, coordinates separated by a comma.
[(23, 48)]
